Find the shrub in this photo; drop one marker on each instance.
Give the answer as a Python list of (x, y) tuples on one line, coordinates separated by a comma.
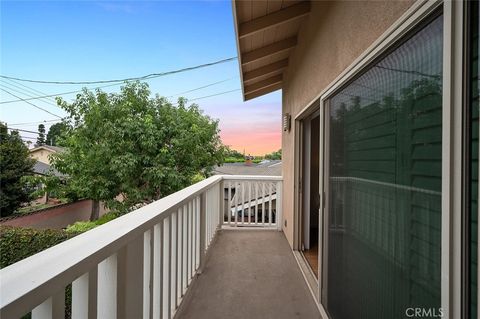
[(80, 227), (17, 243)]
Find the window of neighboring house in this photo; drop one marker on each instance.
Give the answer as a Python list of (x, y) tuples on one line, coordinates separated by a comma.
[(384, 152)]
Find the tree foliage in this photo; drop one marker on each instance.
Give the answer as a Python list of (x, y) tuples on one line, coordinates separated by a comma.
[(41, 135), (56, 134), (132, 145), (277, 155), (14, 164)]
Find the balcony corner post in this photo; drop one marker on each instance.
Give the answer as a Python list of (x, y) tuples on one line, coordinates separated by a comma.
[(279, 204), (203, 220), (221, 207)]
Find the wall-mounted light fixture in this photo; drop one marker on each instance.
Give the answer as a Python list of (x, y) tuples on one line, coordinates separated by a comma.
[(287, 119)]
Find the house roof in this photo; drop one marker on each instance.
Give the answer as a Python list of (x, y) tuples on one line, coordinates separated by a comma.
[(266, 33), (45, 169), (267, 168), (54, 149)]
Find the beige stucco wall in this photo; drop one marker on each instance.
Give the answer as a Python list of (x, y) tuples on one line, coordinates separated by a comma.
[(41, 155), (332, 37)]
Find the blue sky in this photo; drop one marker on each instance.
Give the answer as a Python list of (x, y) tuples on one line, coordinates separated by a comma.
[(89, 40)]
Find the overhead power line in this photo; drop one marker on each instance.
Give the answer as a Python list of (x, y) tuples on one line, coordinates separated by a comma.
[(34, 105), (56, 94), (110, 85), (32, 91), (38, 122), (212, 95), (144, 77), (20, 90), (21, 130), (201, 87)]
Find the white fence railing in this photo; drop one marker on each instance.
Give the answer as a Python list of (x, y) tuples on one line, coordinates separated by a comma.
[(137, 266), (253, 201)]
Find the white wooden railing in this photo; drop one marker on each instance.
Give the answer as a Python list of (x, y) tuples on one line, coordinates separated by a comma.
[(137, 266), (253, 201)]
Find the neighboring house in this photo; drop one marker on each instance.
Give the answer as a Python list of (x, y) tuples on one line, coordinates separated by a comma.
[(265, 168), (42, 165), (42, 153), (379, 147), (40, 168)]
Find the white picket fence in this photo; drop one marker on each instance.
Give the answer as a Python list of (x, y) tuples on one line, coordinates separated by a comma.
[(141, 264)]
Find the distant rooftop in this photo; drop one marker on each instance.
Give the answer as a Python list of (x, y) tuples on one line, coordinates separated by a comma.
[(45, 169), (265, 168), (49, 147)]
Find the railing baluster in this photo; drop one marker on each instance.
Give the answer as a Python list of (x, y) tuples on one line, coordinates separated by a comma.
[(185, 246), (235, 211), (203, 208), (229, 203), (256, 202), (157, 270), (173, 263), (179, 254), (270, 204), (279, 206), (147, 272), (107, 288), (249, 205), (166, 269), (189, 244), (263, 203), (52, 308), (197, 217), (84, 295), (243, 202), (192, 240)]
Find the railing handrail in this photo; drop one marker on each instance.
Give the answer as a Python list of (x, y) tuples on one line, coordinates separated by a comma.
[(33, 278), (38, 272), (251, 178)]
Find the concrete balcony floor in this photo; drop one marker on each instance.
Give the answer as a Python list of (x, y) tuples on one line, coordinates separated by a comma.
[(249, 274)]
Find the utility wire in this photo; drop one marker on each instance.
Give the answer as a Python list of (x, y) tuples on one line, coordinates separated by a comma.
[(212, 95), (21, 130), (110, 85), (148, 76), (38, 122), (29, 89), (22, 91), (38, 107), (57, 94), (201, 87)]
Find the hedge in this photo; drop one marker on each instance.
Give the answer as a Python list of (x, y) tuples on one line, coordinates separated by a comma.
[(17, 243)]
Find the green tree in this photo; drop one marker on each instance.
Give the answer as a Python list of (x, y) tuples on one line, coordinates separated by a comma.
[(41, 135), (233, 153), (274, 155), (14, 164), (55, 134), (132, 146)]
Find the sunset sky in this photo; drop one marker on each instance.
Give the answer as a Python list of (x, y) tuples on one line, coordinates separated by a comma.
[(89, 41)]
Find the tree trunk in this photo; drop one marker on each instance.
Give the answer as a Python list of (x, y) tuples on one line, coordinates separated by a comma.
[(95, 210)]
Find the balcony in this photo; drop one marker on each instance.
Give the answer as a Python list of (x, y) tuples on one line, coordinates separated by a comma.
[(212, 250)]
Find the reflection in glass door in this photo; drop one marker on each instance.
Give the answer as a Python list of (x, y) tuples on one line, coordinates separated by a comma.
[(384, 172)]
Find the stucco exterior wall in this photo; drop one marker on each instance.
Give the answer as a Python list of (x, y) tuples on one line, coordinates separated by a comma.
[(333, 36), (41, 155)]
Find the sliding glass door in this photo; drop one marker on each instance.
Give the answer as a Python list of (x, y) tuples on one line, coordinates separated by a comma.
[(382, 228)]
